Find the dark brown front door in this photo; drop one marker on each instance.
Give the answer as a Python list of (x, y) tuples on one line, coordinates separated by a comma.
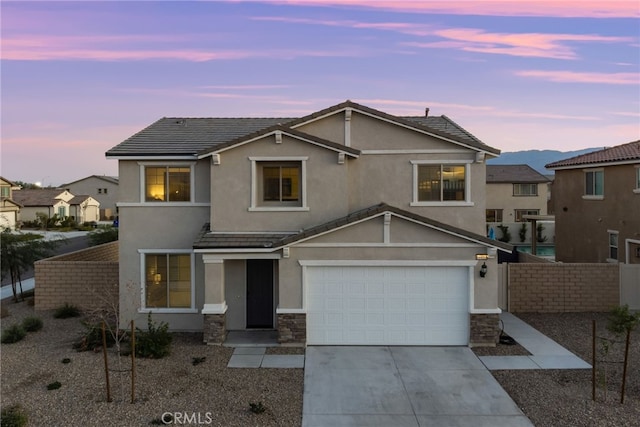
[(259, 293)]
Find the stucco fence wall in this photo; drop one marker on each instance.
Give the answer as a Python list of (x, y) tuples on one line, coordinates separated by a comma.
[(82, 278), (557, 287)]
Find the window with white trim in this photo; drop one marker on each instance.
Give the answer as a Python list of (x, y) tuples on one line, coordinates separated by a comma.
[(613, 245), (637, 189), (278, 183), (494, 215), (519, 213), (168, 281), (440, 183), (594, 183), (167, 183), (522, 189)]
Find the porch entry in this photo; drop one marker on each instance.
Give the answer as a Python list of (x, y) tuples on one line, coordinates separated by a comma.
[(260, 293)]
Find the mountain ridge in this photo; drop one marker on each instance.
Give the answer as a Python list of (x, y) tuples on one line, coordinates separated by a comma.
[(538, 158)]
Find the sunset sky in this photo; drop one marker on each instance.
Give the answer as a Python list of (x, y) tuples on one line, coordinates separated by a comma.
[(77, 78)]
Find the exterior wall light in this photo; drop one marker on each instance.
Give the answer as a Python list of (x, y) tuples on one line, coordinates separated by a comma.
[(483, 269)]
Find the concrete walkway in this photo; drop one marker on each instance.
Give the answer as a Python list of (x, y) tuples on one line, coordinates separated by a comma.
[(545, 353), (255, 357), (402, 387)]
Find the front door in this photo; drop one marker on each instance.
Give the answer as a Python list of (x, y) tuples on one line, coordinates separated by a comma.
[(259, 293)]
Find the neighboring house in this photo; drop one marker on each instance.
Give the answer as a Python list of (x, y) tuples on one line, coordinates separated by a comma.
[(597, 205), (514, 191), (55, 201), (277, 223), (84, 209), (103, 188), (9, 208)]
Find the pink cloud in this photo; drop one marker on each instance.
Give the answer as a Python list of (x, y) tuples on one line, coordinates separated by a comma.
[(582, 77), (550, 8)]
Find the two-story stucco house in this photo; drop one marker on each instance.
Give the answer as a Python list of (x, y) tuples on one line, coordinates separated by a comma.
[(346, 226), (102, 188), (597, 205)]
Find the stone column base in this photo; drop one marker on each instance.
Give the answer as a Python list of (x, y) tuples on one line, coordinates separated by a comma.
[(215, 330), (484, 330), (292, 328)]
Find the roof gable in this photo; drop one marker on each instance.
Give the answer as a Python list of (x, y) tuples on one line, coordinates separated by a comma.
[(40, 197), (625, 153), (278, 131)]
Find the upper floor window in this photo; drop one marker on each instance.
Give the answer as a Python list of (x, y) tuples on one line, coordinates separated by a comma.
[(167, 183), (637, 189), (525, 189), (5, 191), (278, 183), (494, 215), (594, 183), (521, 212), (168, 281), (440, 183)]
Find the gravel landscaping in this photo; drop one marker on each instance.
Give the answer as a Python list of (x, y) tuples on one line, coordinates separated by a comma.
[(564, 397), (223, 396), (220, 396)]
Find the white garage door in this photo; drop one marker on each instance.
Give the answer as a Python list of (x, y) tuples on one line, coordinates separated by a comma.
[(387, 305)]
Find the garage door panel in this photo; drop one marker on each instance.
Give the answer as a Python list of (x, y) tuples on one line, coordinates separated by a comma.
[(387, 305)]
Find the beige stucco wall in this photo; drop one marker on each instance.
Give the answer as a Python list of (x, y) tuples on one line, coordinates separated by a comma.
[(500, 196), (159, 226), (90, 185)]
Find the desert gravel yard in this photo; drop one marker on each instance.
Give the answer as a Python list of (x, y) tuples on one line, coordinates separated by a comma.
[(222, 396), (218, 395), (564, 397)]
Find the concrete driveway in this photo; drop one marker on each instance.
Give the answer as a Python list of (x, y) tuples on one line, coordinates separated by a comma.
[(403, 386)]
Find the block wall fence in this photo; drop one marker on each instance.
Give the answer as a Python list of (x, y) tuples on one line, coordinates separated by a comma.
[(82, 278), (557, 287)]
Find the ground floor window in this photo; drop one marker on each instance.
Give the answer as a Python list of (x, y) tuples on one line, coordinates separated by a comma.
[(521, 212), (168, 281), (613, 245), (494, 215)]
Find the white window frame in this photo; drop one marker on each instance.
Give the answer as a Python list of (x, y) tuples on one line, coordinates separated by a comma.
[(584, 177), (637, 189), (255, 205), (143, 281), (143, 186), (519, 186), (467, 183), (610, 234)]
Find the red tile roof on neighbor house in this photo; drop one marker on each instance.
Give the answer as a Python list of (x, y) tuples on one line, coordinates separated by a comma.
[(629, 152)]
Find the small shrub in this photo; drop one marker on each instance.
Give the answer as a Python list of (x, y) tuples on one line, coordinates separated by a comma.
[(257, 408), (14, 416), (54, 385), (197, 360), (155, 342), (66, 311), (32, 324), (523, 232), (506, 235), (13, 334), (103, 235), (620, 320), (92, 338)]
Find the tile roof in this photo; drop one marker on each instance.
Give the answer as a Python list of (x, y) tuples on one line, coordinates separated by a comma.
[(514, 174), (111, 179), (188, 136), (629, 152), (78, 200), (37, 197), (208, 240), (180, 136)]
